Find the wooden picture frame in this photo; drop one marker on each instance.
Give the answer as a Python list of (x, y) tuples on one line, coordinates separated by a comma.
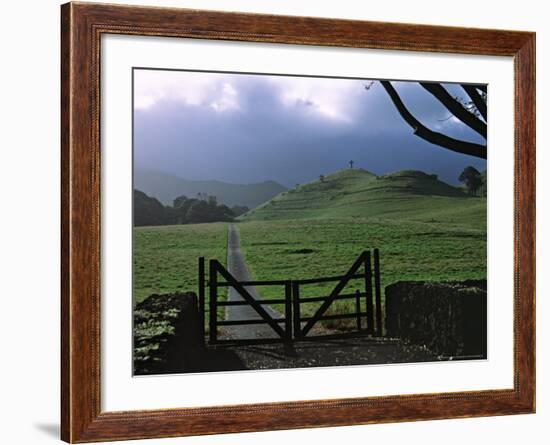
[(82, 26)]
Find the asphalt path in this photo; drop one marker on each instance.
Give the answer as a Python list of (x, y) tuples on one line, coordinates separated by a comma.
[(237, 267)]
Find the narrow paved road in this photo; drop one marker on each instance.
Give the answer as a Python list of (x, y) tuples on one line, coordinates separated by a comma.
[(237, 267)]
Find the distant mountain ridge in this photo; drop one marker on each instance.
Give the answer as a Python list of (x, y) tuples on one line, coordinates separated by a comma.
[(166, 188)]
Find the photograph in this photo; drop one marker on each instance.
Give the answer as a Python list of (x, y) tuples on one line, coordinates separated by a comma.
[(287, 221)]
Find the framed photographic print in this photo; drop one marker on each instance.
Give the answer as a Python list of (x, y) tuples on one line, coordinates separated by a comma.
[(276, 222)]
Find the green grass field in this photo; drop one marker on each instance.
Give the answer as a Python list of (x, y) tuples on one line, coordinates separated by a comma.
[(409, 250), (166, 257), (425, 230)]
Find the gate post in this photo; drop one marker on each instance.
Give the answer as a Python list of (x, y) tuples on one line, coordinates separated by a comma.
[(377, 291), (358, 308), (296, 312), (213, 307), (288, 311), (368, 293), (202, 307)]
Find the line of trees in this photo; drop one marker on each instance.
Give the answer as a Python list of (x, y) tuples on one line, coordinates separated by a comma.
[(149, 211)]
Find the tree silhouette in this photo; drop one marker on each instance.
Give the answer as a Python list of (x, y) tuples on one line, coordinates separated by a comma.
[(472, 178), (351, 164), (472, 112)]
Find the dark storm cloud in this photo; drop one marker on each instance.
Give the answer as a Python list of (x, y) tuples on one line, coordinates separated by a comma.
[(243, 128)]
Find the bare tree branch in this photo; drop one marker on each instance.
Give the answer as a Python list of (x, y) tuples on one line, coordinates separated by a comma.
[(478, 101), (456, 108), (464, 147), (481, 88)]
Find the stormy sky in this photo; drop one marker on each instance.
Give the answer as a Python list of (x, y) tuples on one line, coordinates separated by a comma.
[(245, 128)]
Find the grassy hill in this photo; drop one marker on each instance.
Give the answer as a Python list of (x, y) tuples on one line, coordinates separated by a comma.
[(167, 187), (360, 194), (425, 230)]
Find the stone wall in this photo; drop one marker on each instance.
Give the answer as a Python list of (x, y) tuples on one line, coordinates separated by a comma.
[(449, 318), (167, 336)]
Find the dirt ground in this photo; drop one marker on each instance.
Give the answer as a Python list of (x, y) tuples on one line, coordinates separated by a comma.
[(317, 353)]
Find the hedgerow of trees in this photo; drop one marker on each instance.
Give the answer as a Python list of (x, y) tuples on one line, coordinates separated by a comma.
[(149, 211)]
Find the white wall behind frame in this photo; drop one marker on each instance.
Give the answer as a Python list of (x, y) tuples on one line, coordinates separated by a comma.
[(30, 167)]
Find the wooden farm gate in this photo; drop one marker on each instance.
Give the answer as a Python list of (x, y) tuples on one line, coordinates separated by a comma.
[(361, 269), (294, 326), (217, 270)]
